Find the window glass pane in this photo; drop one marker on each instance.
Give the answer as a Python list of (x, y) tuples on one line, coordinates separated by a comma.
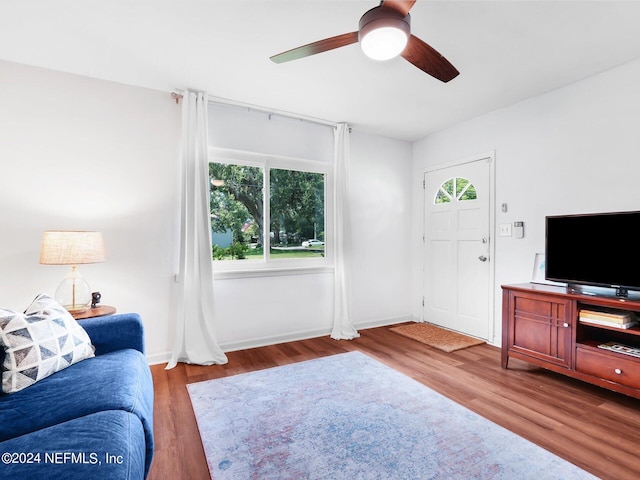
[(236, 211), (297, 214), (448, 187), (469, 193), (442, 196), (460, 184)]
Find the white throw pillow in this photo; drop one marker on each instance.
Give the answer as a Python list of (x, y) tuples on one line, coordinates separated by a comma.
[(39, 342)]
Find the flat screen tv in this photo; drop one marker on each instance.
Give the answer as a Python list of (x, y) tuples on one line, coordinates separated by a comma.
[(599, 249)]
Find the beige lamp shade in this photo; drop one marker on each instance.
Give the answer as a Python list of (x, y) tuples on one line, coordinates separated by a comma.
[(63, 247)]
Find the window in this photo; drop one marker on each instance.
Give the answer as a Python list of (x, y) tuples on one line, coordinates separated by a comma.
[(455, 190), (268, 212), (296, 213)]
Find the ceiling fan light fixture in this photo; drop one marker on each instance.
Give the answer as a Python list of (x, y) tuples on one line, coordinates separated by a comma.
[(384, 33), (384, 43)]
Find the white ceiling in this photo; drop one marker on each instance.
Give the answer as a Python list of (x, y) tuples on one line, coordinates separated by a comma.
[(506, 51)]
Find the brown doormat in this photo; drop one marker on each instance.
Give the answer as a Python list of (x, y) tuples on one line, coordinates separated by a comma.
[(437, 337)]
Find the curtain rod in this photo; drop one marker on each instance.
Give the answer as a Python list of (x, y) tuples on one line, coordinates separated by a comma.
[(177, 96)]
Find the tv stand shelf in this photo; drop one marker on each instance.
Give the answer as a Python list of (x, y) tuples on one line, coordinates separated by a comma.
[(541, 325)]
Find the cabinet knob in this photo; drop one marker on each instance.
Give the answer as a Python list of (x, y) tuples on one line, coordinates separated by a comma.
[(565, 325), (618, 371)]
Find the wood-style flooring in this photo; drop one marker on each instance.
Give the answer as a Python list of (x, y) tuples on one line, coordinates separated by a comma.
[(593, 428)]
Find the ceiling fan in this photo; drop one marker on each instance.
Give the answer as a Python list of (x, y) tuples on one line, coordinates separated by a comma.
[(384, 32)]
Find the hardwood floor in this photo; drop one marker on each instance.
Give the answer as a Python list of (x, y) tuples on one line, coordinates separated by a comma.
[(593, 428)]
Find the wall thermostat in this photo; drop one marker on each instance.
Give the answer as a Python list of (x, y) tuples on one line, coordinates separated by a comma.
[(518, 229)]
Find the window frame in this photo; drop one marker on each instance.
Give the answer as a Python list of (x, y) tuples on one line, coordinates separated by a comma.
[(268, 266)]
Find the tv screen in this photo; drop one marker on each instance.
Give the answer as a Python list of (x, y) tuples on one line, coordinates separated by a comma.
[(594, 249)]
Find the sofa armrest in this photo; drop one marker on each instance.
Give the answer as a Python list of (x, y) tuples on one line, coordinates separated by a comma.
[(115, 332)]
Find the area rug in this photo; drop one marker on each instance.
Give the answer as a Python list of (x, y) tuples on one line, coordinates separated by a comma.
[(437, 337), (349, 417)]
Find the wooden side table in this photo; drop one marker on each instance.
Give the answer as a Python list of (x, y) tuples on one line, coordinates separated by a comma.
[(99, 311)]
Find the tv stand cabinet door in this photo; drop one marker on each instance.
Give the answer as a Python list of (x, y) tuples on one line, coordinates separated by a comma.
[(539, 328)]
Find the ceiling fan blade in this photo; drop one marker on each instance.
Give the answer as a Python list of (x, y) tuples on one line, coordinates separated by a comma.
[(316, 47), (427, 59), (399, 5)]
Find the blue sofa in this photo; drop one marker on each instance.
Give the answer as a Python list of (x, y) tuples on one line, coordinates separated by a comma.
[(93, 419)]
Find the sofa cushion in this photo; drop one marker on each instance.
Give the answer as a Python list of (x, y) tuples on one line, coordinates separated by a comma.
[(119, 380), (42, 341), (105, 445)]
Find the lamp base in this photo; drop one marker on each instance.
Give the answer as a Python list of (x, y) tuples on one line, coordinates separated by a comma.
[(74, 293), (74, 310)]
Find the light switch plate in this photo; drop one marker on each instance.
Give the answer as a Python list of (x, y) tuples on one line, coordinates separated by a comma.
[(505, 230)]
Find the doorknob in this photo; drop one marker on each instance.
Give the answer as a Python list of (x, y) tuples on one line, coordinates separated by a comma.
[(482, 258)]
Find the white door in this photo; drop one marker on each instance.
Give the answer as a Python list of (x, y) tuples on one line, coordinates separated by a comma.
[(458, 288)]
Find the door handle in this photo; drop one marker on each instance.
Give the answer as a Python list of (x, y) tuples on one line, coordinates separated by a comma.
[(482, 258)]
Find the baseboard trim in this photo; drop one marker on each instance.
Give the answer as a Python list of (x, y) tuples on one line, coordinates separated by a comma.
[(265, 341), (383, 322), (159, 358)]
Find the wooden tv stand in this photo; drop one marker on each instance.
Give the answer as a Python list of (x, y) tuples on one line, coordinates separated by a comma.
[(540, 325)]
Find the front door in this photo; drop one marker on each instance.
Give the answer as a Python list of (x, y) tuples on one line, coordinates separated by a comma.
[(457, 260)]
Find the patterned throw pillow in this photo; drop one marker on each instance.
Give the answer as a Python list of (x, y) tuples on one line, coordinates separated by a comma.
[(42, 341)]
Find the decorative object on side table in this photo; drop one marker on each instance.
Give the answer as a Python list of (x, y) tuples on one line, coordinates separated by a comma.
[(95, 310), (72, 248), (95, 299)]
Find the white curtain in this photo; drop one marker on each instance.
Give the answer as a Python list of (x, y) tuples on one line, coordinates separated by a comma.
[(343, 328), (195, 334)]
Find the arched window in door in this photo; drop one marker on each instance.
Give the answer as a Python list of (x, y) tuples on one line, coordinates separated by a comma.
[(455, 189)]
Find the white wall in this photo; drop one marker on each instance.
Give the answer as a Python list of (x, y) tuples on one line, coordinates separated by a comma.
[(81, 153), (381, 221), (573, 150)]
